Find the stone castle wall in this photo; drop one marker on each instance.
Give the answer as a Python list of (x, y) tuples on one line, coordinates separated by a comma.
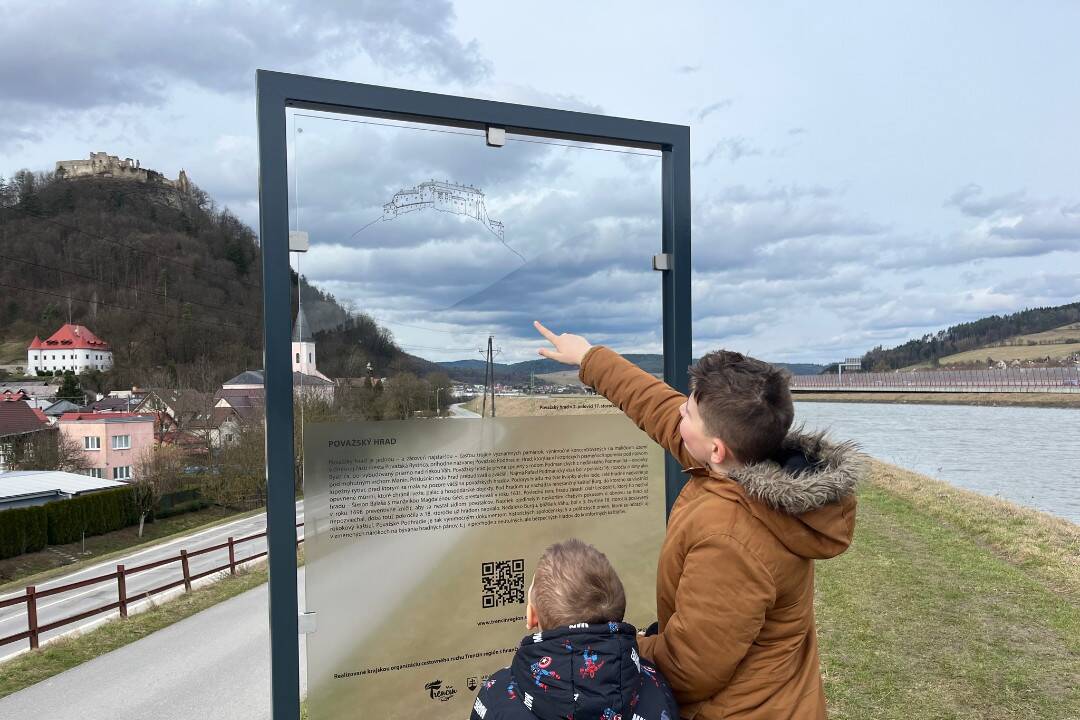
[(103, 165)]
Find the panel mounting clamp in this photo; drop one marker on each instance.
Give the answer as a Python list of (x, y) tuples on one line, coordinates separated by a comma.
[(298, 241), (661, 261), (496, 136), (305, 623)]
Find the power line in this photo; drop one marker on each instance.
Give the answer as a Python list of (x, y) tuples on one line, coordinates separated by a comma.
[(425, 347), (177, 318), (117, 287)]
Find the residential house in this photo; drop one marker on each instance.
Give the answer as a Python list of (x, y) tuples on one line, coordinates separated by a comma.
[(36, 393), (58, 408), (37, 487), (18, 423), (183, 417), (112, 443)]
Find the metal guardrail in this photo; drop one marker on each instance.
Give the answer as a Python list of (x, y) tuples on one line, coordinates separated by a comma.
[(1054, 380), (32, 595)]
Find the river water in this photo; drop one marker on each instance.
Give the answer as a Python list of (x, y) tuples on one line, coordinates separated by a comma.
[(1030, 456)]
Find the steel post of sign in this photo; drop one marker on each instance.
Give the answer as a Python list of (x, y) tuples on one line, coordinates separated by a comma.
[(278, 91)]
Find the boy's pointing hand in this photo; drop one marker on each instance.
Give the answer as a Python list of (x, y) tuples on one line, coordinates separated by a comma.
[(569, 349)]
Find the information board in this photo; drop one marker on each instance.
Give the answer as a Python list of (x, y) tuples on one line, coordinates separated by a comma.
[(422, 536)]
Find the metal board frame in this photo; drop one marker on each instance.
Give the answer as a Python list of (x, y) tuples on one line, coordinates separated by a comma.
[(277, 91)]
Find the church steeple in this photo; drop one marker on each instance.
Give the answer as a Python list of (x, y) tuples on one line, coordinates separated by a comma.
[(303, 346), (301, 331)]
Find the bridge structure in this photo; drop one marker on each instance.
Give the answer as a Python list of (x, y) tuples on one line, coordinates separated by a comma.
[(1010, 380)]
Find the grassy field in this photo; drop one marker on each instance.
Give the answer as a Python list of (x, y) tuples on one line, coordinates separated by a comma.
[(950, 605), (59, 559), (13, 352), (1065, 400)]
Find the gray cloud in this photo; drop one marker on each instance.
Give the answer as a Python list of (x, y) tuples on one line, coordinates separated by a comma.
[(688, 69), (971, 201), (135, 53), (731, 148), (710, 109)]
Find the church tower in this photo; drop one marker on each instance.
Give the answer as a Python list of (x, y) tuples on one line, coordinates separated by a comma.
[(303, 346)]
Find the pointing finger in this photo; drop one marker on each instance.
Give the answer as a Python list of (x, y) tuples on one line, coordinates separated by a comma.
[(545, 332)]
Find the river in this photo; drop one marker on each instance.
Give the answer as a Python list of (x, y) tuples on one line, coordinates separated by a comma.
[(1030, 456)]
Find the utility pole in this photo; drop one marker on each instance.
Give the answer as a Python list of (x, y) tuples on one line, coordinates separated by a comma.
[(489, 376)]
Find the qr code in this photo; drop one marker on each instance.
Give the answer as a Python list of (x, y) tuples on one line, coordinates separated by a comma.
[(503, 582)]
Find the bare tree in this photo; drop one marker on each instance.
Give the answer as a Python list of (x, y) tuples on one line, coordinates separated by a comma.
[(47, 450), (158, 473)]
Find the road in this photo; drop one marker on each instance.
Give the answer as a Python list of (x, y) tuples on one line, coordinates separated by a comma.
[(215, 664), (459, 412), (13, 619)]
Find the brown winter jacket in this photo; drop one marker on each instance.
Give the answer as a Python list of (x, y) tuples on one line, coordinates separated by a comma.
[(735, 582)]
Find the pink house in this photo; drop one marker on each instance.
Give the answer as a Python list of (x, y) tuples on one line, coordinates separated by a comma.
[(113, 443)]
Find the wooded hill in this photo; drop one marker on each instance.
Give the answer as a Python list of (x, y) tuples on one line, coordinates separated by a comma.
[(169, 279), (985, 332)]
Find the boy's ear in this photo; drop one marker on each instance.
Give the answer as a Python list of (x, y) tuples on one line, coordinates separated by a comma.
[(719, 452)]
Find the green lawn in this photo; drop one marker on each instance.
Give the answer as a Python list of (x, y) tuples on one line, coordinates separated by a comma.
[(961, 607)]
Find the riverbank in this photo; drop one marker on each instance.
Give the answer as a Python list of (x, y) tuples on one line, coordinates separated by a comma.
[(950, 604), (1056, 400)]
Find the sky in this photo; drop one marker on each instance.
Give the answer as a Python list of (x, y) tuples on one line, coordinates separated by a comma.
[(863, 173)]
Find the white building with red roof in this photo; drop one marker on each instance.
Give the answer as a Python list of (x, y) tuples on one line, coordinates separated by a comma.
[(72, 347)]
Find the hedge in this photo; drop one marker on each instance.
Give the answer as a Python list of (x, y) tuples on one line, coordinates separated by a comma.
[(23, 530), (94, 514), (181, 501)]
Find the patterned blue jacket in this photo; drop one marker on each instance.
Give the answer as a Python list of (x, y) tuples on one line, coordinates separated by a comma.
[(581, 672)]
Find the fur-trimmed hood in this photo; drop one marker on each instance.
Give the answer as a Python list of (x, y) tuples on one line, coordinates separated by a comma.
[(810, 472), (806, 495)]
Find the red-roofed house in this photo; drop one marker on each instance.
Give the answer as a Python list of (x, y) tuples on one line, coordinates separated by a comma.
[(72, 347)]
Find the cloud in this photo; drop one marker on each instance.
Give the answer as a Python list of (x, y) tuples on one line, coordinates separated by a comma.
[(133, 53), (710, 109), (796, 131), (688, 69), (971, 201), (732, 148)]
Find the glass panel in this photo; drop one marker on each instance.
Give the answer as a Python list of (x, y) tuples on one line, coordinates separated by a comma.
[(430, 256), (427, 245)]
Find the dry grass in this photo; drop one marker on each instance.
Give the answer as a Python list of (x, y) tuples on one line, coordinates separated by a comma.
[(1008, 353), (1065, 400), (950, 605), (1043, 545), (542, 406), (13, 352)]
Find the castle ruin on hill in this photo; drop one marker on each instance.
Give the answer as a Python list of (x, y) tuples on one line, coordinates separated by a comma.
[(104, 165)]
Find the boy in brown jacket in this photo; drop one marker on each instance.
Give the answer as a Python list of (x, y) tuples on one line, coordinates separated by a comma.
[(735, 582)]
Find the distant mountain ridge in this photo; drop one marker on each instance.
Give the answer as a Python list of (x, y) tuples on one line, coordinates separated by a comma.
[(473, 370)]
